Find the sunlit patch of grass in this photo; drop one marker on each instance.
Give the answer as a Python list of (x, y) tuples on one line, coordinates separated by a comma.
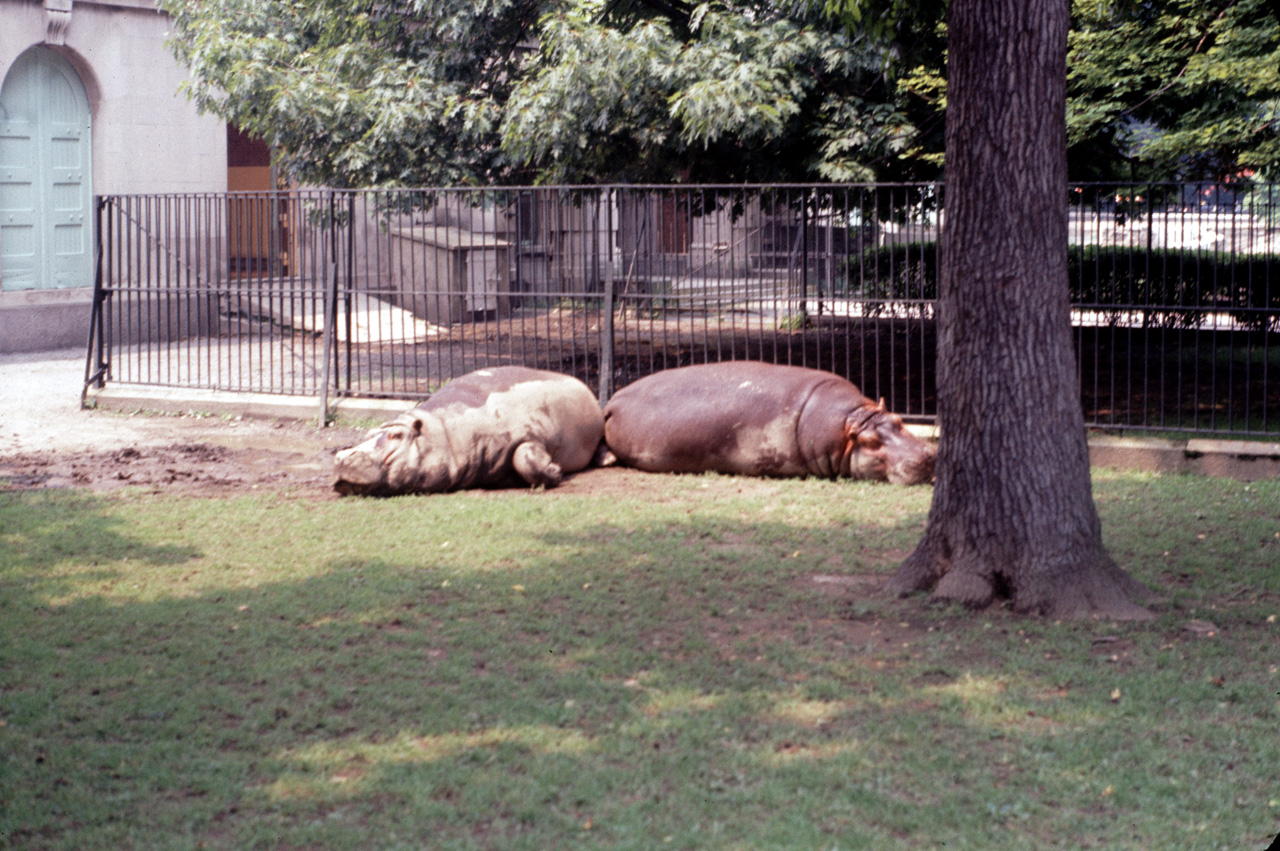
[(685, 700), (809, 713), (329, 769)]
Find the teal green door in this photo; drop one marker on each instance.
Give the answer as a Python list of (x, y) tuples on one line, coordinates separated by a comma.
[(45, 187)]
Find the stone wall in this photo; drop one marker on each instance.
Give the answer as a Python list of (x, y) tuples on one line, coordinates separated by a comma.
[(146, 137)]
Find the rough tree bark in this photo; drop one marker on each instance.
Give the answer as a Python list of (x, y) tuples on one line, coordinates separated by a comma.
[(1012, 512)]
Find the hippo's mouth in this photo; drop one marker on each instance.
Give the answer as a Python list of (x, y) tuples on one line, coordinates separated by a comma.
[(345, 488)]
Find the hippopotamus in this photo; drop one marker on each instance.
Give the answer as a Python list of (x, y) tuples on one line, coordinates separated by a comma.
[(486, 428), (758, 419)]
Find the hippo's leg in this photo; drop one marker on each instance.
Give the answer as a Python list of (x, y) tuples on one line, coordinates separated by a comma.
[(604, 456), (533, 463)]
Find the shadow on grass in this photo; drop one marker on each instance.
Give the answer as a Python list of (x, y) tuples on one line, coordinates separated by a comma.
[(684, 682), (45, 531)]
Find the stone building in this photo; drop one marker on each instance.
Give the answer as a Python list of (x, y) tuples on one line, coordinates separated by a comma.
[(89, 105)]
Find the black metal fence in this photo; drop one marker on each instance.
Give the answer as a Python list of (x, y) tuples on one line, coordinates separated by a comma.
[(1175, 290)]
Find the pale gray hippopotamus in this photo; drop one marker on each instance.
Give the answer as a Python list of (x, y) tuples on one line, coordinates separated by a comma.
[(757, 419), (486, 428)]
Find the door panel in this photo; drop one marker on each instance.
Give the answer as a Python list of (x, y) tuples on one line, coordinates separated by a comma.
[(45, 186)]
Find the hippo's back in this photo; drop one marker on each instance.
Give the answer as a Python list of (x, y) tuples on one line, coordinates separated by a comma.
[(733, 417), (493, 410)]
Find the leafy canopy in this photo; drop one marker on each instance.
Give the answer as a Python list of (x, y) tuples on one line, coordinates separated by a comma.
[(1174, 89), (359, 93), (457, 91), (414, 92), (746, 92)]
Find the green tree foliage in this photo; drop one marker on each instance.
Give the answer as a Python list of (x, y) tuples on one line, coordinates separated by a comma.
[(727, 92), (1174, 89), (360, 93), (350, 92), (355, 93)]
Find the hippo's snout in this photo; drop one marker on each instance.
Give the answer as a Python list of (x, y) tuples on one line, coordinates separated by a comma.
[(357, 469), (912, 464)]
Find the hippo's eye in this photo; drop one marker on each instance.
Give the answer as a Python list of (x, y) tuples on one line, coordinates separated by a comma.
[(870, 440)]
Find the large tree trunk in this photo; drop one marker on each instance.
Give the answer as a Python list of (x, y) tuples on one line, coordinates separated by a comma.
[(1012, 511)]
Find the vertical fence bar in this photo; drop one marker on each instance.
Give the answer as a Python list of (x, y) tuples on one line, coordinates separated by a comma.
[(607, 340), (330, 330)]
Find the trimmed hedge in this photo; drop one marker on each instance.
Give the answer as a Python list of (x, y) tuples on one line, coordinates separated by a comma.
[(1174, 288)]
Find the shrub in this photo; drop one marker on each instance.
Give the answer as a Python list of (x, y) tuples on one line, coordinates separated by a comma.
[(1175, 288)]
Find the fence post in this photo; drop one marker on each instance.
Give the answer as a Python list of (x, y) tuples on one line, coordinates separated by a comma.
[(349, 278), (95, 367), (606, 307), (805, 221), (330, 315)]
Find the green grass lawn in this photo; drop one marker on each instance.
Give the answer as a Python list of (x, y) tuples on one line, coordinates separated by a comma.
[(705, 664)]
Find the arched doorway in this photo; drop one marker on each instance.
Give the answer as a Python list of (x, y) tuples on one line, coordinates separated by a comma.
[(45, 185)]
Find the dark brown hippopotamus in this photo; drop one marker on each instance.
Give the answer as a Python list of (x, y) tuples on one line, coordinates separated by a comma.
[(485, 428), (757, 419)]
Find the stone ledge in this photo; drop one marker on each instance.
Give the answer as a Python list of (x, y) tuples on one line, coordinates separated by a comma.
[(1237, 448), (1237, 459), (1150, 455), (124, 397)]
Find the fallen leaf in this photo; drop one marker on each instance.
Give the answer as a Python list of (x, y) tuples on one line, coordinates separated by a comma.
[(1115, 695)]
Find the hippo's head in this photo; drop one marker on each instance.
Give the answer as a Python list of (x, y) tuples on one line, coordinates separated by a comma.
[(395, 458), (884, 450)]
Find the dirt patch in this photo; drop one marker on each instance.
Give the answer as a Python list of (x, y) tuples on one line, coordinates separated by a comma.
[(189, 457), (205, 456)]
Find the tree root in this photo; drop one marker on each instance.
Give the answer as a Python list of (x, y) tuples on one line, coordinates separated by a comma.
[(1090, 586)]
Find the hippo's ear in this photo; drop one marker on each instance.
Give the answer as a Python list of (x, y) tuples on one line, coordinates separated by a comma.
[(881, 405)]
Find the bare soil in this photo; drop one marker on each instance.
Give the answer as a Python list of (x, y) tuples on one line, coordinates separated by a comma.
[(185, 455), (48, 441), (218, 459)]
